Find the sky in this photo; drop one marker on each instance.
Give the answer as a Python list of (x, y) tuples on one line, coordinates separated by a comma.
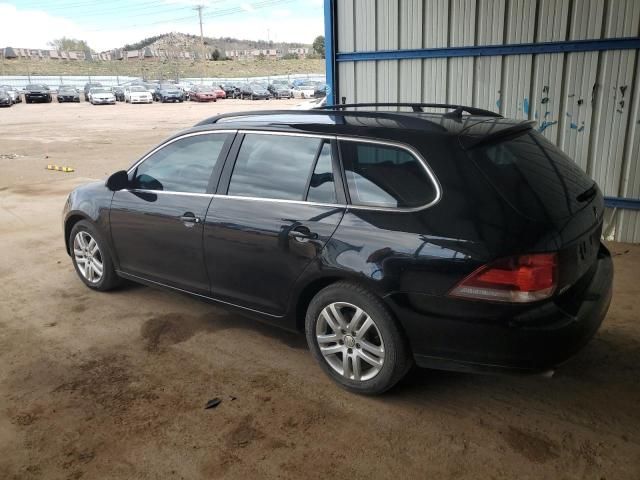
[(112, 24)]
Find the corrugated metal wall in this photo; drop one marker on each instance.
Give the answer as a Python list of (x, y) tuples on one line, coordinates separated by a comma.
[(586, 102)]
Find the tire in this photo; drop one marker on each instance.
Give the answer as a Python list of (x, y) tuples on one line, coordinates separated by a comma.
[(109, 279), (383, 335)]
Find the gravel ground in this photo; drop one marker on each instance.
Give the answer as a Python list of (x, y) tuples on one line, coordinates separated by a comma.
[(96, 385)]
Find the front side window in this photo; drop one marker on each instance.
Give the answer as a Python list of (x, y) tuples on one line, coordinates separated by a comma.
[(385, 176), (182, 166), (274, 166)]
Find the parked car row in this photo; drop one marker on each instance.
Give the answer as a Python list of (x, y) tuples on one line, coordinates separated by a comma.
[(138, 91)]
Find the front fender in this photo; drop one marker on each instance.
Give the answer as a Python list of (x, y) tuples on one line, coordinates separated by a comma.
[(89, 202)]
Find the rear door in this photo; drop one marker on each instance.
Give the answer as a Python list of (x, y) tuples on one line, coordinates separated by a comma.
[(277, 205), (157, 225)]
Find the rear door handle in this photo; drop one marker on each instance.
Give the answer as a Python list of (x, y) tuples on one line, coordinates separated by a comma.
[(189, 219), (303, 233)]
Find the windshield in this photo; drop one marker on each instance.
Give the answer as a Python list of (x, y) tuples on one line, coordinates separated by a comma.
[(37, 87), (100, 90), (66, 90), (257, 86), (138, 89)]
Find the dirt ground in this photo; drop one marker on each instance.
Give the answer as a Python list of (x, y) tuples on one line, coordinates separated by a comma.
[(113, 385)]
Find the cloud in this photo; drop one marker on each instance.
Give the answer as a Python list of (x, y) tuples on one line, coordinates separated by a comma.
[(35, 28), (247, 7), (281, 12)]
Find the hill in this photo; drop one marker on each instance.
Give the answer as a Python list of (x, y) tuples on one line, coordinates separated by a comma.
[(182, 41)]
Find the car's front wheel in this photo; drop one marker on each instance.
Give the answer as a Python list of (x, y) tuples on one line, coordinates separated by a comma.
[(356, 340), (91, 257)]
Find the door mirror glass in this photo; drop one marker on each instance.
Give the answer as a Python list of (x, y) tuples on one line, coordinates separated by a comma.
[(118, 181)]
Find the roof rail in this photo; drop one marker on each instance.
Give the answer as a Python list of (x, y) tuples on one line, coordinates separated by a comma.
[(417, 108), (257, 113), (215, 118)]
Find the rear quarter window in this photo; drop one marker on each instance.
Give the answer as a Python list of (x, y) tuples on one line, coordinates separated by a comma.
[(385, 176)]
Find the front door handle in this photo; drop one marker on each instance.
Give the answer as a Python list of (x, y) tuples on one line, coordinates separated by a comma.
[(302, 233), (189, 219)]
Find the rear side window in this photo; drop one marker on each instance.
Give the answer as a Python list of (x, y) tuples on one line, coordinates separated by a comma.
[(321, 185), (274, 166), (385, 176), (185, 165)]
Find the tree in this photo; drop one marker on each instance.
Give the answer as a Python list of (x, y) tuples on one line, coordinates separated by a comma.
[(66, 44), (215, 55), (318, 45)]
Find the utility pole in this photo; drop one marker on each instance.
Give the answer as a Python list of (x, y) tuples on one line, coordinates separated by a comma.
[(199, 9)]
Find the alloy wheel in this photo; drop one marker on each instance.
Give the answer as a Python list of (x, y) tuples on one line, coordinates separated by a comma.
[(350, 341), (88, 257)]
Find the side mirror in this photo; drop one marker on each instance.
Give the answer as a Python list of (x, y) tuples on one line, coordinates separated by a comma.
[(118, 181)]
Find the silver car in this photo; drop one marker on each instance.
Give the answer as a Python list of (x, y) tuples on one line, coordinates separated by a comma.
[(13, 93), (102, 96)]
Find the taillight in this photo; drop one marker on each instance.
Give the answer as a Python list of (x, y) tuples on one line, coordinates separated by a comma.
[(521, 279)]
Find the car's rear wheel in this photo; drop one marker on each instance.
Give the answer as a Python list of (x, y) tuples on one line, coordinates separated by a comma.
[(355, 339), (91, 257)]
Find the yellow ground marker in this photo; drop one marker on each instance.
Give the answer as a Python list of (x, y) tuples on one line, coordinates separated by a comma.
[(58, 168)]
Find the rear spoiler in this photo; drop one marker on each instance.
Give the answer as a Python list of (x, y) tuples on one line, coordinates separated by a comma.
[(500, 135)]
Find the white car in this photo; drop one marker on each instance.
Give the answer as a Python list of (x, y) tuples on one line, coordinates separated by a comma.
[(101, 96), (311, 104), (304, 90), (137, 94)]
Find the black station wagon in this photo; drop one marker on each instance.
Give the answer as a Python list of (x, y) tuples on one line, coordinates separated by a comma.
[(459, 240)]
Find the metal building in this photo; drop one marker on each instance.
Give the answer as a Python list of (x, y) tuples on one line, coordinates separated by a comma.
[(570, 65)]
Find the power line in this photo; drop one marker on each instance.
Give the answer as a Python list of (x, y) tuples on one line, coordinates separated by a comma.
[(218, 13)]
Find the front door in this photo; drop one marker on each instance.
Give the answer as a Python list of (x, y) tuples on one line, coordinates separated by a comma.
[(280, 208), (157, 224)]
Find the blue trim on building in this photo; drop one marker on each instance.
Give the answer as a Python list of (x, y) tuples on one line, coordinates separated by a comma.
[(621, 202), (489, 50), (329, 50)]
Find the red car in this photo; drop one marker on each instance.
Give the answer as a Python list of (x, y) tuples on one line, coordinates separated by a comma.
[(203, 93), (220, 93)]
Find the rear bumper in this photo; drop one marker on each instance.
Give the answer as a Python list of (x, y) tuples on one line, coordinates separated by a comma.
[(532, 340)]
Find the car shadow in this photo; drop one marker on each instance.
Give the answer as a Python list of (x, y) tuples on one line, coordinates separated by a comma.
[(600, 386)]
